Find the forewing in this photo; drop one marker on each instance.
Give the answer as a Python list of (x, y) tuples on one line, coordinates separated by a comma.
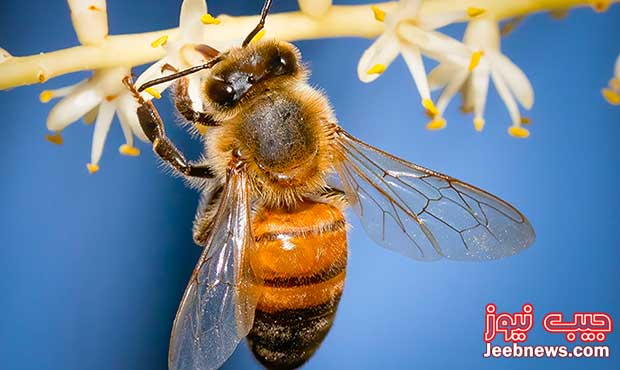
[(217, 309), (424, 214)]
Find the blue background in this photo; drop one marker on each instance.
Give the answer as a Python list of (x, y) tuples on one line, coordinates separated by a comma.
[(92, 267)]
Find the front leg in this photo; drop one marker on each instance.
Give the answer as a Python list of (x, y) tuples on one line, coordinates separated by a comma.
[(153, 128)]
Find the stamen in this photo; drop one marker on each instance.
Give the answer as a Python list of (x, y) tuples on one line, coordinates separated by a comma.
[(475, 59), (258, 36), (129, 150), (614, 84), (92, 168), (209, 19), (518, 131), (46, 96), (611, 96), (436, 124), (430, 107), (153, 92), (474, 12), (377, 69), (56, 138), (162, 41), (378, 13), (525, 121), (479, 124)]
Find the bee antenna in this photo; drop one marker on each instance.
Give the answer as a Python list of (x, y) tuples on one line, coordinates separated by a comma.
[(260, 25), (182, 73)]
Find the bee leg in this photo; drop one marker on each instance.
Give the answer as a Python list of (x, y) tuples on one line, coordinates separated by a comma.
[(203, 223), (153, 128), (184, 105), (331, 195)]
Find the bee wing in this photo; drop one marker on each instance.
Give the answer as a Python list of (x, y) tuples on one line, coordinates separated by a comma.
[(424, 214), (217, 309)]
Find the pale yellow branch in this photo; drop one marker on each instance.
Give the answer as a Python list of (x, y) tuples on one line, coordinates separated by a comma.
[(339, 21)]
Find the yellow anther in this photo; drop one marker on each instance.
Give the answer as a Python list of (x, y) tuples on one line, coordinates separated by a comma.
[(478, 124), (525, 121), (378, 13), (45, 96), (258, 36), (153, 92), (209, 19), (55, 138), (518, 131), (129, 150), (436, 124), (475, 59), (202, 129), (92, 168), (430, 107), (614, 84), (600, 5), (377, 69), (611, 96), (474, 12), (162, 41)]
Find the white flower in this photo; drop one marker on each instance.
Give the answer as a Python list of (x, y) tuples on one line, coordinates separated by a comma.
[(182, 53), (612, 93), (315, 8), (482, 36), (90, 20), (409, 33), (96, 99)]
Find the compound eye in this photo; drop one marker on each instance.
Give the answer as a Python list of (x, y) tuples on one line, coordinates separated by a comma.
[(221, 92), (279, 65)]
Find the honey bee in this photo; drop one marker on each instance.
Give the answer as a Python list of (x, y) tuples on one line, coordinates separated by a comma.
[(280, 172)]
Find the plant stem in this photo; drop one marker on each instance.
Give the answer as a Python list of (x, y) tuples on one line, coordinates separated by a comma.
[(339, 21)]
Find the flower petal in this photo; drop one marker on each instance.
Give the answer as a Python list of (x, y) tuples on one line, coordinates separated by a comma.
[(507, 97), (480, 88), (382, 52), (315, 8), (73, 106), (448, 93), (517, 81), (442, 74), (190, 26), (435, 44), (152, 72), (414, 61), (441, 19), (102, 127), (90, 20), (617, 68), (126, 107), (194, 92), (407, 9)]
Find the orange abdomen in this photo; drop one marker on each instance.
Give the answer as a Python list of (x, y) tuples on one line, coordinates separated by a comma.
[(302, 256)]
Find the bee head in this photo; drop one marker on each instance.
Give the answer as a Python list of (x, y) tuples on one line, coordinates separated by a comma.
[(259, 67)]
